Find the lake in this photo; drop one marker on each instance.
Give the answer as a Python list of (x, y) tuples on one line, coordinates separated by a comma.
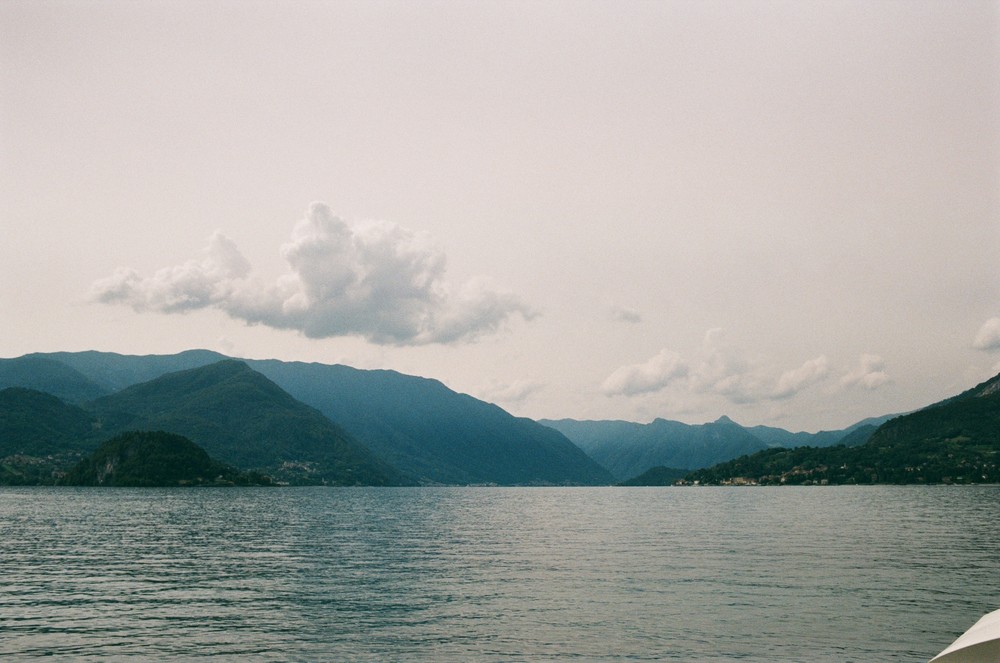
[(496, 574)]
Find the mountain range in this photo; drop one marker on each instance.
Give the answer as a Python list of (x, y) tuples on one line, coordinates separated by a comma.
[(316, 423), (953, 441), (241, 418), (628, 449), (309, 422)]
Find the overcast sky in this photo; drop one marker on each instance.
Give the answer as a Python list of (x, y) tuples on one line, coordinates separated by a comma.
[(784, 212)]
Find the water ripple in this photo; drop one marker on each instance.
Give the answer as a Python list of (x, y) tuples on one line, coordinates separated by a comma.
[(821, 574)]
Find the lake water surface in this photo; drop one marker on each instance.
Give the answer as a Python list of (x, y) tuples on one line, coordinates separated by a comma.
[(496, 574)]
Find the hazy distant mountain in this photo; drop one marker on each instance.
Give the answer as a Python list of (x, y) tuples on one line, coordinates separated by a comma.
[(954, 441), (240, 417), (434, 433), (779, 437), (51, 376), (628, 449), (142, 458), (114, 372)]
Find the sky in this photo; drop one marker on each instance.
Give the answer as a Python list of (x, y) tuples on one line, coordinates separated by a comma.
[(783, 212)]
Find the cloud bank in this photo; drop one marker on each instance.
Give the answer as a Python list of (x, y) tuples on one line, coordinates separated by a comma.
[(376, 280), (870, 373), (988, 336), (723, 370), (795, 380), (652, 375)]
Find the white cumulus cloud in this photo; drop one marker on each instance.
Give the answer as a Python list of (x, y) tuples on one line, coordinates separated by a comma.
[(652, 375), (725, 371), (377, 280), (988, 336), (869, 373), (795, 380), (192, 285)]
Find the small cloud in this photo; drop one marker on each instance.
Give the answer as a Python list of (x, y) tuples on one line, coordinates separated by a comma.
[(627, 315), (513, 392), (725, 371), (870, 373), (193, 285), (988, 336), (480, 307), (653, 375), (376, 280), (793, 381)]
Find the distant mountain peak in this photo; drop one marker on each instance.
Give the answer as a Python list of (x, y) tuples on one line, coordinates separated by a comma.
[(725, 420), (990, 389)]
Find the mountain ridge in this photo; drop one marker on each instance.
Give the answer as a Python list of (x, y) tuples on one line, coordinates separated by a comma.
[(443, 435), (956, 440), (242, 418), (628, 449), (433, 434), (51, 376)]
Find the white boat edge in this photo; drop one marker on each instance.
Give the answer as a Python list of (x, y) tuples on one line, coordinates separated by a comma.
[(986, 630)]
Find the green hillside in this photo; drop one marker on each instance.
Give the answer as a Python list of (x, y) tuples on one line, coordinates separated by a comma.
[(36, 423), (242, 418), (40, 436), (51, 376), (434, 434), (954, 441), (429, 432)]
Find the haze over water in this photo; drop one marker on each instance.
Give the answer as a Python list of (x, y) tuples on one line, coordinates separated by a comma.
[(786, 574)]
